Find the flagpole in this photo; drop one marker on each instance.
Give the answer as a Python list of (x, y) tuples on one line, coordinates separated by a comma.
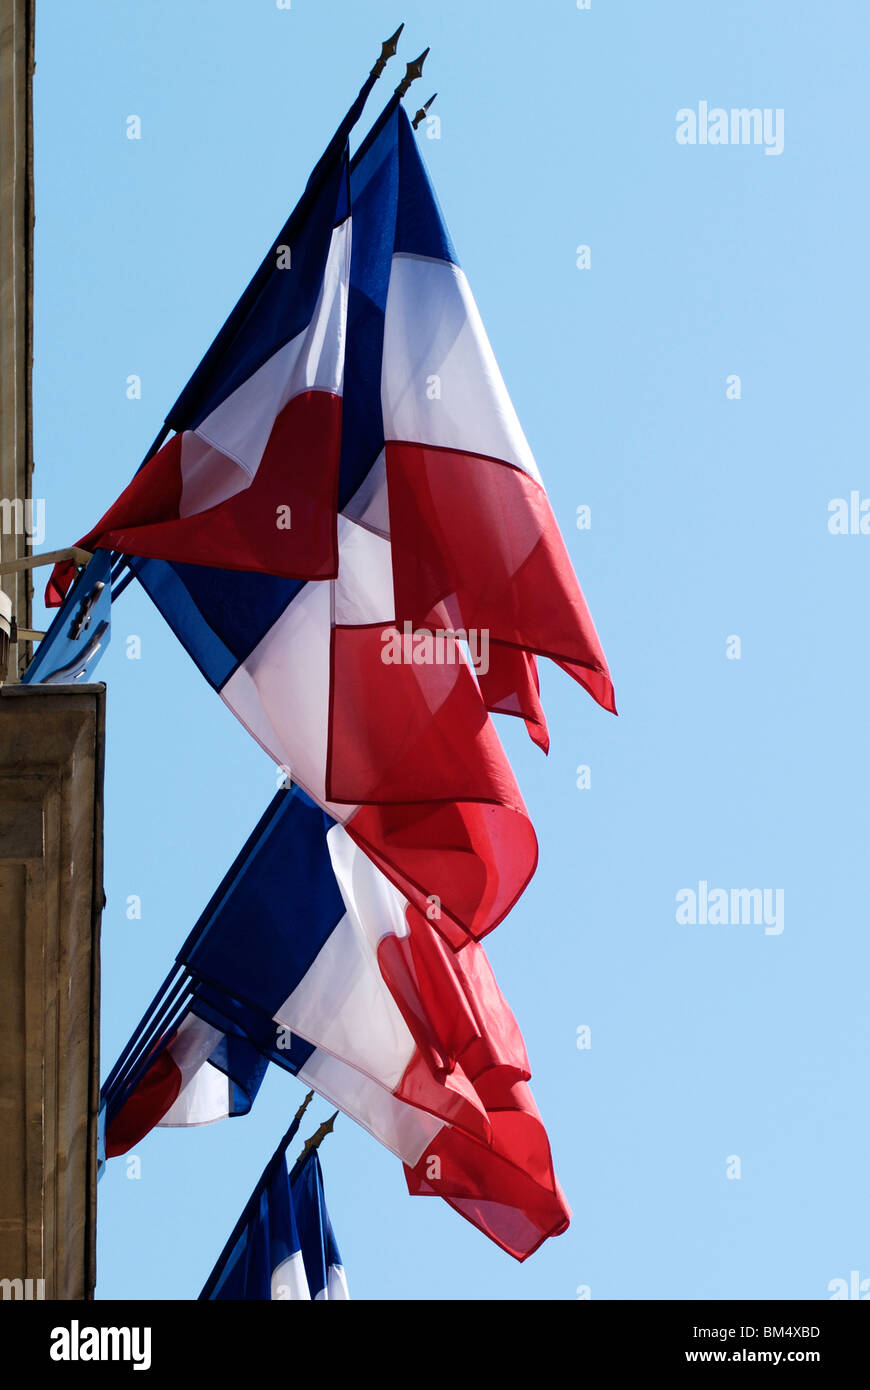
[(167, 991), (163, 1028)]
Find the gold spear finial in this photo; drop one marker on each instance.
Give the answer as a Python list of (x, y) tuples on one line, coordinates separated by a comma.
[(421, 114), (304, 1106), (388, 51), (412, 72), (313, 1144)]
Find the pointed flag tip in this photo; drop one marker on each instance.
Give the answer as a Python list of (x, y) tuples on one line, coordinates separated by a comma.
[(421, 114), (304, 1106), (389, 48), (313, 1142), (412, 72)]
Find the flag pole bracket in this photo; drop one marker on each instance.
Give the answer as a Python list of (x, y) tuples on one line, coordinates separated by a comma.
[(49, 557)]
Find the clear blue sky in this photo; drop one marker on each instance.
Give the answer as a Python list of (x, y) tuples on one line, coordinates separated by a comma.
[(709, 520)]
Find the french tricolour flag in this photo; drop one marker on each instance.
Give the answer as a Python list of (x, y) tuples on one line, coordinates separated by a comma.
[(248, 482), (355, 544), (283, 1246), (309, 956), (324, 1271)]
